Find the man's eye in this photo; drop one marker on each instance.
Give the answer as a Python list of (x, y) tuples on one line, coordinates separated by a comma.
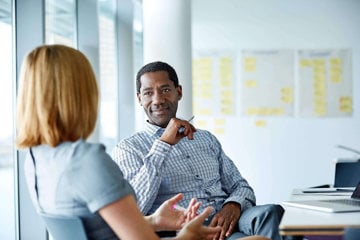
[(166, 90), (146, 93)]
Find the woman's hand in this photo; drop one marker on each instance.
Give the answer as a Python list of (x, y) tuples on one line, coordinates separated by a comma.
[(169, 217), (196, 230)]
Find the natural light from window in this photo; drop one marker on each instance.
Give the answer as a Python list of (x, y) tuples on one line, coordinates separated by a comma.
[(7, 91)]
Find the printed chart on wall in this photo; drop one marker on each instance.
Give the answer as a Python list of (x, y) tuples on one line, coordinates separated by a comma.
[(214, 88), (325, 83), (267, 83)]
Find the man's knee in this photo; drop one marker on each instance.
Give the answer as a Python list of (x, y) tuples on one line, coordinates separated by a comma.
[(274, 210)]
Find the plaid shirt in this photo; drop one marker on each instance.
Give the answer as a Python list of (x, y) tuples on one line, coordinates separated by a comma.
[(197, 168)]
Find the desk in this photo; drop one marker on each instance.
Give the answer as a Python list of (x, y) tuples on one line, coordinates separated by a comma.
[(301, 222)]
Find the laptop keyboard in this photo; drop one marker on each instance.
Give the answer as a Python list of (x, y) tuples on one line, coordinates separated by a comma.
[(344, 201)]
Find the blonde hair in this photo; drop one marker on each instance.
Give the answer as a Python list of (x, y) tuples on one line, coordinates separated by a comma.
[(58, 97)]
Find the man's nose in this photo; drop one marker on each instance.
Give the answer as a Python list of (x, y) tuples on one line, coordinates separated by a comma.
[(158, 98)]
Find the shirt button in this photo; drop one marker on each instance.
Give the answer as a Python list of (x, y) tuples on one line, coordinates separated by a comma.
[(207, 192)]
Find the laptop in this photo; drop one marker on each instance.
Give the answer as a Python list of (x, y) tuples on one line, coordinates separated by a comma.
[(347, 174), (331, 205)]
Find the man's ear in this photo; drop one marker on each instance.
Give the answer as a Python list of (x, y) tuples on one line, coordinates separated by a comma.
[(179, 90), (139, 98)]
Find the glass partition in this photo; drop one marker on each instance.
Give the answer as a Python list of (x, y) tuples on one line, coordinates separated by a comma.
[(7, 154), (108, 73), (60, 22)]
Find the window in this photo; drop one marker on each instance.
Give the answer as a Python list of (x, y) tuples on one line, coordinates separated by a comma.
[(7, 92), (60, 22), (108, 73)]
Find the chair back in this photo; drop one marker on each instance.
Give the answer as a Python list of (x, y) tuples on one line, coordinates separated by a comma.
[(352, 234), (64, 228)]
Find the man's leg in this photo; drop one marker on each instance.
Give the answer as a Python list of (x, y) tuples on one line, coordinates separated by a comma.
[(260, 220)]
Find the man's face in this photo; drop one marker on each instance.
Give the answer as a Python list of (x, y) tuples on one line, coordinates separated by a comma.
[(159, 97)]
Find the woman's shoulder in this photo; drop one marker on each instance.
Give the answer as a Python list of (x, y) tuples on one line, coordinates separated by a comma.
[(83, 147), (89, 152)]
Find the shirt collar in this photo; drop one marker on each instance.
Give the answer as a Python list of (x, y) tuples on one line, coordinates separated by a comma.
[(152, 129)]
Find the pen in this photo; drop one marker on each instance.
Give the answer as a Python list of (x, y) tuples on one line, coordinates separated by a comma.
[(191, 118), (179, 208), (182, 129)]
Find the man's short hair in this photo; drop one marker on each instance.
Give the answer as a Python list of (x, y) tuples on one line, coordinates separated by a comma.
[(155, 67)]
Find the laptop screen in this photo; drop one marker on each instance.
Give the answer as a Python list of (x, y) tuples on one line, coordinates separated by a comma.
[(356, 193), (347, 174)]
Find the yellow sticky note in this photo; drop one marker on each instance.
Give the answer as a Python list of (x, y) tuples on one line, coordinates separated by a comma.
[(202, 68), (345, 104), (305, 63), (227, 110), (226, 82), (227, 93), (336, 78), (201, 123), (277, 111), (264, 111), (260, 123), (205, 95), (335, 61), (319, 93), (250, 64), (319, 101), (225, 62), (319, 84), (204, 112), (219, 121), (318, 62), (287, 95), (251, 111), (219, 131), (226, 102), (287, 99), (320, 111), (250, 83), (335, 70), (320, 76)]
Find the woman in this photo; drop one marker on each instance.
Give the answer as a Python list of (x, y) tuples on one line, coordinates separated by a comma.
[(56, 113)]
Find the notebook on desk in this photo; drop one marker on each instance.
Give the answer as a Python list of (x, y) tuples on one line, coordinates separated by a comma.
[(351, 204)]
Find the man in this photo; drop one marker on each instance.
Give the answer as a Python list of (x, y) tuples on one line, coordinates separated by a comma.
[(162, 161)]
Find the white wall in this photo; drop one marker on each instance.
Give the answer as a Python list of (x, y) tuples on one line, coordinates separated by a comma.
[(289, 152)]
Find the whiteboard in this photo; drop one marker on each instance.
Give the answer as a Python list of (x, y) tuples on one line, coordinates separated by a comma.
[(277, 153)]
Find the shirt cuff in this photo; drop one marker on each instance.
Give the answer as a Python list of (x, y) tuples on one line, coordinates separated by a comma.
[(244, 202), (160, 148)]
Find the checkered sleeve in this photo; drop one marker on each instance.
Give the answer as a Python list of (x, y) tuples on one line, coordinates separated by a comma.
[(233, 183), (142, 171)]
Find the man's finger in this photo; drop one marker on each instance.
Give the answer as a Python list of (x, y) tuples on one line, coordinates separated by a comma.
[(213, 222), (231, 228), (225, 229)]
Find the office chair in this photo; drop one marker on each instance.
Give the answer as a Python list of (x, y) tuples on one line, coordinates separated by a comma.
[(352, 234), (64, 228)]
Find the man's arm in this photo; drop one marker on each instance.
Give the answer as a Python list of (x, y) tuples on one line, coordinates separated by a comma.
[(141, 160), (241, 195), (142, 168), (233, 183)]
